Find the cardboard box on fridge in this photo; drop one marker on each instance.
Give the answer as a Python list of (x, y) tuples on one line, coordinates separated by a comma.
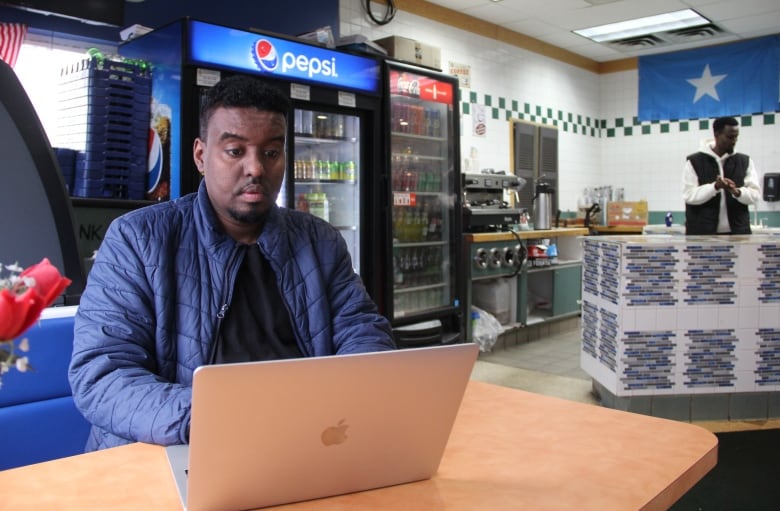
[(627, 213), (411, 51)]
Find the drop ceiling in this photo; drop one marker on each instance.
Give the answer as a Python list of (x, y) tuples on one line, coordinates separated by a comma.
[(552, 22)]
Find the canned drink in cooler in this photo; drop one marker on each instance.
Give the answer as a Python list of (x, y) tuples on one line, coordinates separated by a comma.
[(308, 169), (334, 172), (297, 170), (350, 171)]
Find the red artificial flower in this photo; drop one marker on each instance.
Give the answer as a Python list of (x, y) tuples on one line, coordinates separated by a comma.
[(19, 310)]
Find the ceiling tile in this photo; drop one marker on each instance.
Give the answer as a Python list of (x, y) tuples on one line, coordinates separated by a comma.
[(552, 21)]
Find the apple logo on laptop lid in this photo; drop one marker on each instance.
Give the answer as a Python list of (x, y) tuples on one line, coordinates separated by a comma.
[(335, 435)]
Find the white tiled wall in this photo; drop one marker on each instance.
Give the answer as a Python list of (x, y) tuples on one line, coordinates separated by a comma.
[(646, 166)]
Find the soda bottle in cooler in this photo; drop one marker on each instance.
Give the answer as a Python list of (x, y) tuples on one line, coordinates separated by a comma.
[(398, 275), (411, 180), (298, 121), (307, 122), (420, 225), (316, 206), (434, 181), (422, 180), (415, 266), (434, 256), (317, 129), (406, 233), (430, 235), (398, 223), (325, 207), (406, 266)]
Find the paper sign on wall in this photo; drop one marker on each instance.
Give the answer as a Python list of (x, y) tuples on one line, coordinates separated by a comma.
[(478, 120), (463, 73)]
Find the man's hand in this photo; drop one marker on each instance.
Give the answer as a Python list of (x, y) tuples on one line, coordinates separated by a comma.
[(729, 185)]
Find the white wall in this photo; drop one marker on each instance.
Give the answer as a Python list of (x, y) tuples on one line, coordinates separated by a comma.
[(647, 166)]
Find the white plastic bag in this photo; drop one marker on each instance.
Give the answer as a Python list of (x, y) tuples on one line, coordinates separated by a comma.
[(485, 329)]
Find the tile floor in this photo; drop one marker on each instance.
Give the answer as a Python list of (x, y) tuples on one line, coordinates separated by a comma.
[(545, 359), (557, 354), (542, 359)]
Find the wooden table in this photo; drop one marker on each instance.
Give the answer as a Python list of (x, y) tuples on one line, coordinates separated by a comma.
[(509, 449), (555, 232)]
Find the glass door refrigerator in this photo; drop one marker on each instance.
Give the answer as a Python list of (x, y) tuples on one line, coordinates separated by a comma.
[(424, 204), (327, 158), (334, 142)]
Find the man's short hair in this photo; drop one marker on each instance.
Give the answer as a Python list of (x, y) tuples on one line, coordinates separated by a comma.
[(241, 91), (722, 122)]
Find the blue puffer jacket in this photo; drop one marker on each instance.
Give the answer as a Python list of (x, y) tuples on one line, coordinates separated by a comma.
[(160, 282)]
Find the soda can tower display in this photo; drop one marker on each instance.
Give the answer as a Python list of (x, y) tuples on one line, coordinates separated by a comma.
[(103, 108)]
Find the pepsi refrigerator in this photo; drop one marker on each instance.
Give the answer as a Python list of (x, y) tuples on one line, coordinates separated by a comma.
[(424, 200), (335, 159)]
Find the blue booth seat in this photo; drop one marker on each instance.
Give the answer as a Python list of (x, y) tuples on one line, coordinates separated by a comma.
[(38, 419)]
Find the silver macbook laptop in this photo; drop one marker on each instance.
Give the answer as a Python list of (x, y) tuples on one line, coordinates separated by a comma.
[(268, 433)]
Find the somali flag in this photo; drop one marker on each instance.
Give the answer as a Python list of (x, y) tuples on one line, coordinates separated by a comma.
[(731, 79)]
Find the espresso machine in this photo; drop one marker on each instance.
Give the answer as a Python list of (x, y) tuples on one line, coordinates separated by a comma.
[(484, 206)]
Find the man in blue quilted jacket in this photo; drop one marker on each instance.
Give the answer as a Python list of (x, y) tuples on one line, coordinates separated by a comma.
[(218, 276)]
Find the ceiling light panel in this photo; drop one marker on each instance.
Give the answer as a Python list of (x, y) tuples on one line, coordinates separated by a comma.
[(643, 26)]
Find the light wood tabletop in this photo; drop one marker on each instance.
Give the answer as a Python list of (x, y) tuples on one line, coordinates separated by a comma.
[(509, 449)]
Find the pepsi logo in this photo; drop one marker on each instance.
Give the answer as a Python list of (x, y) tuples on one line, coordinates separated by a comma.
[(266, 55), (269, 59)]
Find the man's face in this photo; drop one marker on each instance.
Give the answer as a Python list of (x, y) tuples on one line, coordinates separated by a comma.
[(243, 162), (726, 139)]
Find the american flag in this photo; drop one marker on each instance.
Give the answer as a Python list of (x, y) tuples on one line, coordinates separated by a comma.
[(11, 38)]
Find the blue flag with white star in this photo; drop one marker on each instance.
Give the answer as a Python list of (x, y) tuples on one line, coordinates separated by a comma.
[(731, 79)]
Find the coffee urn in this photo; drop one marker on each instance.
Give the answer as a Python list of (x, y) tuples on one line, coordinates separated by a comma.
[(543, 205)]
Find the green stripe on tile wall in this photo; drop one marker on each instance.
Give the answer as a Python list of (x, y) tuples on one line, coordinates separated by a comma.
[(576, 123), (624, 127)]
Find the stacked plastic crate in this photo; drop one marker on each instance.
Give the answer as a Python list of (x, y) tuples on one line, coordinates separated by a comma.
[(104, 108)]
